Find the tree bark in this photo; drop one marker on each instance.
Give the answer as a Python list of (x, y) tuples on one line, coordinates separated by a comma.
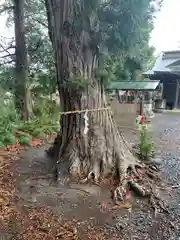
[(23, 102), (102, 151)]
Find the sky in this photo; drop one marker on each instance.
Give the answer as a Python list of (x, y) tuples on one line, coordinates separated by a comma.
[(165, 36)]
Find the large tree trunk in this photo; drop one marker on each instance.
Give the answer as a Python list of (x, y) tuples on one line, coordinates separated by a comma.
[(23, 102), (102, 151)]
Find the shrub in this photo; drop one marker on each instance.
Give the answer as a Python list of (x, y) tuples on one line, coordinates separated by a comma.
[(146, 145), (11, 127), (8, 118), (24, 140)]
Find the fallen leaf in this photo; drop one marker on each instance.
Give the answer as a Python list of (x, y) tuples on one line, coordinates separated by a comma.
[(123, 206), (36, 143)]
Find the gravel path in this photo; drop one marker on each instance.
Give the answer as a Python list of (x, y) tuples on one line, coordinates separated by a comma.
[(167, 132), (143, 224), (140, 223)]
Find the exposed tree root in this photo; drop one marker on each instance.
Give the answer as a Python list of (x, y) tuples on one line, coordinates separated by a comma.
[(127, 171), (119, 192), (137, 183), (137, 188), (153, 168), (90, 176), (104, 152), (152, 175)]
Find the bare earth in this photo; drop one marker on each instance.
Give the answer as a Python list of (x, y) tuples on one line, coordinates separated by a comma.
[(91, 207)]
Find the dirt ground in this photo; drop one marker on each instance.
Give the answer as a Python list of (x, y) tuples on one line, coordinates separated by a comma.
[(91, 208)]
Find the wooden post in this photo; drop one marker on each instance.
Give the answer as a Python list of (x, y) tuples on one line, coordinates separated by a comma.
[(142, 105), (126, 96), (177, 94)]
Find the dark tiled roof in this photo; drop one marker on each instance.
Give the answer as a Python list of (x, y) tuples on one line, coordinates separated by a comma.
[(134, 85)]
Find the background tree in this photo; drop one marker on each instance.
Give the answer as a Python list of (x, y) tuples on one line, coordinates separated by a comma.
[(23, 102), (40, 58), (81, 31), (40, 62)]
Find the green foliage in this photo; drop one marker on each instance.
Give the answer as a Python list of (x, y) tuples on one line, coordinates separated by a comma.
[(119, 28), (6, 78), (7, 139), (123, 34), (40, 56), (38, 127), (45, 120), (47, 109), (43, 83), (12, 128), (24, 140), (41, 60), (146, 145), (8, 117)]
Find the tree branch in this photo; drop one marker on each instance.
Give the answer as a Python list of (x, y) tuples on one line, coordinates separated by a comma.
[(9, 55), (105, 4), (6, 8), (38, 21), (6, 49), (38, 44)]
